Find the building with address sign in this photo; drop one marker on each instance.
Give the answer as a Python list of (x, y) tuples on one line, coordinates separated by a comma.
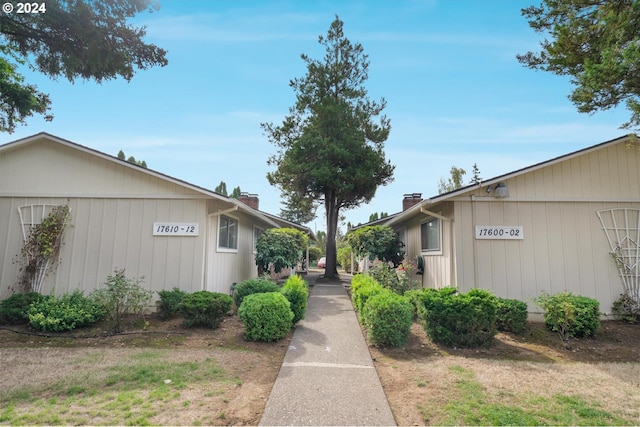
[(571, 223), (172, 233)]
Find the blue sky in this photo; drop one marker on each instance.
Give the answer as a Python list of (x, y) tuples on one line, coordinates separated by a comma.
[(456, 94)]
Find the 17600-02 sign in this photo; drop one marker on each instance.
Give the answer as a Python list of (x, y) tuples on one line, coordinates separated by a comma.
[(175, 229), (499, 232)]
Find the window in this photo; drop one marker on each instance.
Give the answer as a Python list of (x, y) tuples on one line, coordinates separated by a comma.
[(401, 234), (257, 232), (430, 235), (228, 233)]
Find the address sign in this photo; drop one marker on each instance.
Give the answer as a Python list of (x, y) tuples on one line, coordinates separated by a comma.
[(175, 229), (503, 232)]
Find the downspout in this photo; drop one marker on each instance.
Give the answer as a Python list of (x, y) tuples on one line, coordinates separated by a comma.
[(475, 241)]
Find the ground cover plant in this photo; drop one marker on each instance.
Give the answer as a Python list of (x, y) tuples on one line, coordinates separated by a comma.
[(64, 313)]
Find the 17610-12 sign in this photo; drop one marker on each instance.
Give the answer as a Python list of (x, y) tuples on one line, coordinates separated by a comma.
[(499, 232), (175, 229)]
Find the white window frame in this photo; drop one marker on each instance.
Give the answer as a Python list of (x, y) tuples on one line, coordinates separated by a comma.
[(438, 250), (402, 236), (255, 238), (224, 248)]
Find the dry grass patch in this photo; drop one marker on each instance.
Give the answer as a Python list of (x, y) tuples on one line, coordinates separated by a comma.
[(196, 377), (520, 380)]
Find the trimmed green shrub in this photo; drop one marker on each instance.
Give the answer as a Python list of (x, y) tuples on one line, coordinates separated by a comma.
[(15, 309), (266, 316), (570, 315), (253, 286), (204, 309), (460, 319), (388, 318), (360, 280), (70, 311), (296, 291), (511, 315), (363, 287), (122, 296), (170, 302)]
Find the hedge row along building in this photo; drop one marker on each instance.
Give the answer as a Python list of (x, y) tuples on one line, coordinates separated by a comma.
[(571, 223)]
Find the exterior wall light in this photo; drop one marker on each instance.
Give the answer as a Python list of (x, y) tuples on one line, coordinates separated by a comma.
[(501, 191)]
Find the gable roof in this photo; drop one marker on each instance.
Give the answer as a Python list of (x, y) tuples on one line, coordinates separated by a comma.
[(269, 219), (395, 218)]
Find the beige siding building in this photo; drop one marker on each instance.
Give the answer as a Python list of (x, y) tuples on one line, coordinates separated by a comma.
[(123, 216), (568, 224)]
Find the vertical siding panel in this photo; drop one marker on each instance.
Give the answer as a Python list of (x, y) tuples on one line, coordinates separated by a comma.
[(569, 242), (11, 240), (512, 253), (498, 280), (463, 223), (555, 251), (586, 225), (526, 288), (538, 235)]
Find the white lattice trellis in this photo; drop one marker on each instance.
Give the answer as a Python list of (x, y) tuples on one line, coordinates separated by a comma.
[(622, 227), (31, 215)]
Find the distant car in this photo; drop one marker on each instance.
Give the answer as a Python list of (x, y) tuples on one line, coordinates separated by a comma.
[(322, 262)]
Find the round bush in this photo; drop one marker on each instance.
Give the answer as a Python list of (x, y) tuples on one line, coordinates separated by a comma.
[(388, 318), (296, 292), (511, 315), (15, 309), (570, 315), (70, 311), (461, 320), (205, 309), (266, 316), (253, 286)]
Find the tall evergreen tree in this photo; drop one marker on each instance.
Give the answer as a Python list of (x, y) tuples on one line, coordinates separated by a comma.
[(331, 145), (80, 39), (221, 188), (597, 44), (475, 175)]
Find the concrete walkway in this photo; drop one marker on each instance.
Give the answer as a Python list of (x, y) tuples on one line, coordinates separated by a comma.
[(327, 377)]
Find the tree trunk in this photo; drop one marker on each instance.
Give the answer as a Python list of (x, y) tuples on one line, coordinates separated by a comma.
[(331, 208)]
